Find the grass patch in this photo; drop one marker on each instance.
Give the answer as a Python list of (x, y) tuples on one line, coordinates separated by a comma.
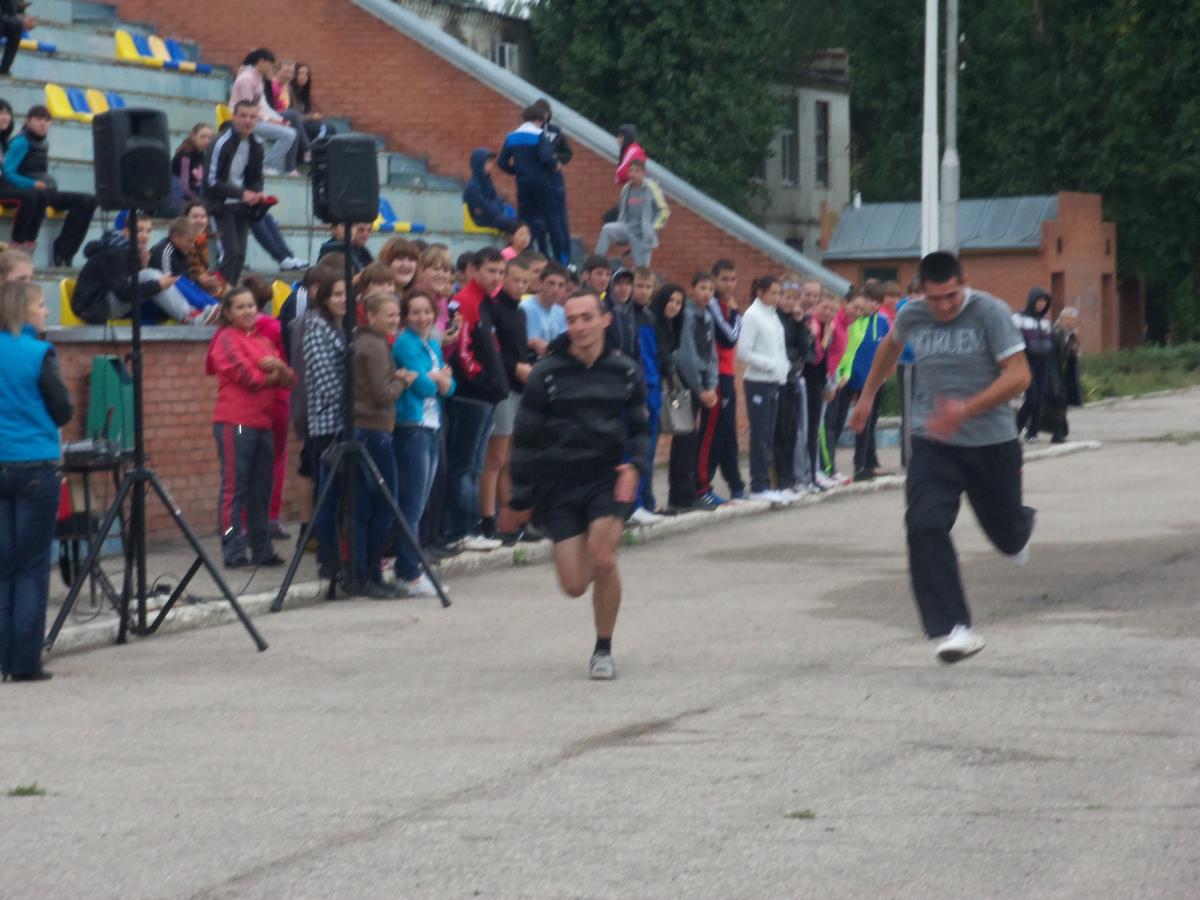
[(27, 790), (1095, 807), (1143, 370), (801, 814), (520, 557), (629, 538)]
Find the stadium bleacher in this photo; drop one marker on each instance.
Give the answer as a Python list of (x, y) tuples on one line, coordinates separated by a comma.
[(87, 74)]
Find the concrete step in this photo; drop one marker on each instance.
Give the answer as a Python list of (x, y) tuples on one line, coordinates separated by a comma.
[(182, 112), (107, 73), (59, 11), (437, 210)]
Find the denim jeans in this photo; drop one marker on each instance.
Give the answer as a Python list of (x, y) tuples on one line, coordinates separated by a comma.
[(281, 144), (270, 238), (28, 507), (416, 460), (372, 512), (468, 424)]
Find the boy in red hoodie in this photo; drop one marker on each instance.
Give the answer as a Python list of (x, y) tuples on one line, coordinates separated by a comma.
[(249, 371)]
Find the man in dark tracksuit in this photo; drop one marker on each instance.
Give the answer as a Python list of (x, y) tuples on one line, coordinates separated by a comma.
[(234, 178), (13, 22), (718, 426), (1036, 329), (579, 449), (528, 155), (556, 220)]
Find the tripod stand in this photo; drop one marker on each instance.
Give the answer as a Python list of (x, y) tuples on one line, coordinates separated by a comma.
[(134, 487), (342, 458)]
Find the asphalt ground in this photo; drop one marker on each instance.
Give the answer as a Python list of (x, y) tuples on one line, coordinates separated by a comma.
[(779, 726)]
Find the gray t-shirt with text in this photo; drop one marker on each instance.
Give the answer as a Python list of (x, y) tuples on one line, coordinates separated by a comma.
[(958, 359)]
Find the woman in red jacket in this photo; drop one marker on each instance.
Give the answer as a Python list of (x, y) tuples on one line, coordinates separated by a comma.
[(249, 371)]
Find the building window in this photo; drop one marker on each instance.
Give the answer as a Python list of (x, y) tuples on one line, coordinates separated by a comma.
[(506, 56), (789, 145), (822, 143)]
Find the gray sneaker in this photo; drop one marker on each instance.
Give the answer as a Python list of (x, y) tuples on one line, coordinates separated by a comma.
[(602, 667)]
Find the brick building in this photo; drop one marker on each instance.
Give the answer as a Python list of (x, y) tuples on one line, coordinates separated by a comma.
[(1008, 245)]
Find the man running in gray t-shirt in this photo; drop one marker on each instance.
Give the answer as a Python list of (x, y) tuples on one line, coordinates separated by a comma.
[(970, 364)]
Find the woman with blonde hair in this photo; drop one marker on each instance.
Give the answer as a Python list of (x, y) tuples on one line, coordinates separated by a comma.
[(34, 404)]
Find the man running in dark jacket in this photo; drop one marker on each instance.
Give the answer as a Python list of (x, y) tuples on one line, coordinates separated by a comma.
[(584, 411)]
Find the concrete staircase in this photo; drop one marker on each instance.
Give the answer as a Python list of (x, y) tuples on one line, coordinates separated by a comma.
[(83, 33)]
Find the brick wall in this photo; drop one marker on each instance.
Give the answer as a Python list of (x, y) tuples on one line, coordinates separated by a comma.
[(390, 85), (179, 400)]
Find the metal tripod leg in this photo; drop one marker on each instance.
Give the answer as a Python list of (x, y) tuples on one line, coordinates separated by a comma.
[(334, 461)]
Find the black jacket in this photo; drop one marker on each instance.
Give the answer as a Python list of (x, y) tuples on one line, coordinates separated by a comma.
[(512, 336), (169, 259), (360, 257), (12, 14), (107, 271), (577, 423), (217, 186)]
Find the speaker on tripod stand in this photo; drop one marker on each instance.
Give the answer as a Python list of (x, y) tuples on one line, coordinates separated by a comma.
[(345, 186), (133, 171)]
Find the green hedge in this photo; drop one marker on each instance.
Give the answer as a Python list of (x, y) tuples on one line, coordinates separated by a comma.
[(1122, 373)]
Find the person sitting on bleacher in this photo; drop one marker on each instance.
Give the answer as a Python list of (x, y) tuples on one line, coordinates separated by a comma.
[(28, 213), (173, 256), (281, 102), (360, 256), (485, 204), (250, 87), (13, 24), (187, 167), (200, 269), (26, 166), (314, 121), (234, 186), (103, 290)]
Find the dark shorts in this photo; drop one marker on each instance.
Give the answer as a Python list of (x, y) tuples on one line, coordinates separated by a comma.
[(310, 455), (566, 511)]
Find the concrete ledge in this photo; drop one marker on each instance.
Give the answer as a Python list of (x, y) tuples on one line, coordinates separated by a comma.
[(218, 612), (151, 334)]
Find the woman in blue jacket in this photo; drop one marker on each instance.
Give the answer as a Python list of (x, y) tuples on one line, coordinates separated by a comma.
[(34, 403), (418, 423)]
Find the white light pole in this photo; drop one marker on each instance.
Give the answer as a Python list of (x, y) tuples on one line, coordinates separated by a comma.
[(951, 169), (929, 135)]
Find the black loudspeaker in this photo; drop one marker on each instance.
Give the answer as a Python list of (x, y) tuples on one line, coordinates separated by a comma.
[(345, 179), (132, 159)]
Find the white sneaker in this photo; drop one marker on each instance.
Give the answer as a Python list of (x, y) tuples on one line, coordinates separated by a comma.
[(1021, 557), (292, 263), (765, 497), (419, 587), (643, 516), (794, 493), (824, 482), (271, 170), (841, 480), (959, 644), (480, 543), (601, 667)]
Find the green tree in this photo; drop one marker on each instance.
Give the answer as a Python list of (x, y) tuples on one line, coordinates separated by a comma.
[(695, 76)]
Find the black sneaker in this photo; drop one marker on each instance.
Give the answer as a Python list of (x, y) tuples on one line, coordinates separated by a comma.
[(269, 562), (531, 534), (377, 590), (237, 562), (278, 534), (39, 675)]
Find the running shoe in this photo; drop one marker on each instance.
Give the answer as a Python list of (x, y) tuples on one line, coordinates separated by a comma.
[(959, 644), (601, 667)]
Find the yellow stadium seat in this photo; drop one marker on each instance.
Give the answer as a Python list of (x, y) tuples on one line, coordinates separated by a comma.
[(66, 315), (470, 227), (60, 107), (281, 291), (158, 48), (126, 51), (224, 114), (97, 101)]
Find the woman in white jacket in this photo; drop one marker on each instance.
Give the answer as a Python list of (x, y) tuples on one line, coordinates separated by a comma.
[(762, 347)]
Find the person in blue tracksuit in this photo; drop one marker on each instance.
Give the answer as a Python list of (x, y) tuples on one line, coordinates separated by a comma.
[(485, 203), (557, 223), (528, 155)]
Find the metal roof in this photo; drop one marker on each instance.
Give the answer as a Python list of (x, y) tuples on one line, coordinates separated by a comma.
[(595, 138), (893, 230)]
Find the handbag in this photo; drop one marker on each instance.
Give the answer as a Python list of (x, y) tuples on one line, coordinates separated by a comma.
[(677, 415)]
